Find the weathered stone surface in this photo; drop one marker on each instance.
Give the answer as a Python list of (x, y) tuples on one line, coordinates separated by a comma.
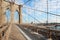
[(13, 7)]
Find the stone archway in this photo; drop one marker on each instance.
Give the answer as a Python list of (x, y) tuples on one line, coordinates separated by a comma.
[(13, 7), (16, 17), (7, 13), (19, 14)]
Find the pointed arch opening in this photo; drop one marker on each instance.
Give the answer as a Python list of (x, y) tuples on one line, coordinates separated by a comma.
[(8, 15), (16, 17)]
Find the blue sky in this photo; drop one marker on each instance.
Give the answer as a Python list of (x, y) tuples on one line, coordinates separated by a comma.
[(53, 7)]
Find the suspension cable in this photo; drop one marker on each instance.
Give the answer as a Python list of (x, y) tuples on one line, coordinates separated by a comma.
[(34, 10), (47, 11), (42, 11), (33, 17), (56, 10), (38, 10), (26, 2)]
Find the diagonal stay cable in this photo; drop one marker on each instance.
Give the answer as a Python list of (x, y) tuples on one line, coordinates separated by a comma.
[(33, 17), (38, 10), (41, 11), (26, 2)]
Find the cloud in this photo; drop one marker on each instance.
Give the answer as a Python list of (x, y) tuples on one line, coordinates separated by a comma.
[(53, 5), (42, 5)]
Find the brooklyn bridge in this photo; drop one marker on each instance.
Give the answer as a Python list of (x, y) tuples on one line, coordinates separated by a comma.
[(11, 30)]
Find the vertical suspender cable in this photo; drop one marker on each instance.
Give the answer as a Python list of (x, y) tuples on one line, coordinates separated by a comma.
[(34, 10), (28, 18), (56, 10), (47, 11)]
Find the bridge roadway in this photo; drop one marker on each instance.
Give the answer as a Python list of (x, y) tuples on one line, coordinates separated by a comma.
[(44, 30), (14, 35), (20, 33), (32, 35)]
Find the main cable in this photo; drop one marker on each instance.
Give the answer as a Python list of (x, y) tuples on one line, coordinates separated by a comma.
[(42, 11)]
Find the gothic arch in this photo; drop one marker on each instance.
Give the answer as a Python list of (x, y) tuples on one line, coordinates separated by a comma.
[(7, 13), (16, 16)]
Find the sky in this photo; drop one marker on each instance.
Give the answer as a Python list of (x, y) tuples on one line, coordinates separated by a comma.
[(30, 15)]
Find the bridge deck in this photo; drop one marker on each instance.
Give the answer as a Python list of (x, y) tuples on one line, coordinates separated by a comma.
[(32, 35), (15, 34), (20, 32)]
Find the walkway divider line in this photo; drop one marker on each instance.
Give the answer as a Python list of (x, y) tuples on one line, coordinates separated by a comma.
[(25, 35)]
